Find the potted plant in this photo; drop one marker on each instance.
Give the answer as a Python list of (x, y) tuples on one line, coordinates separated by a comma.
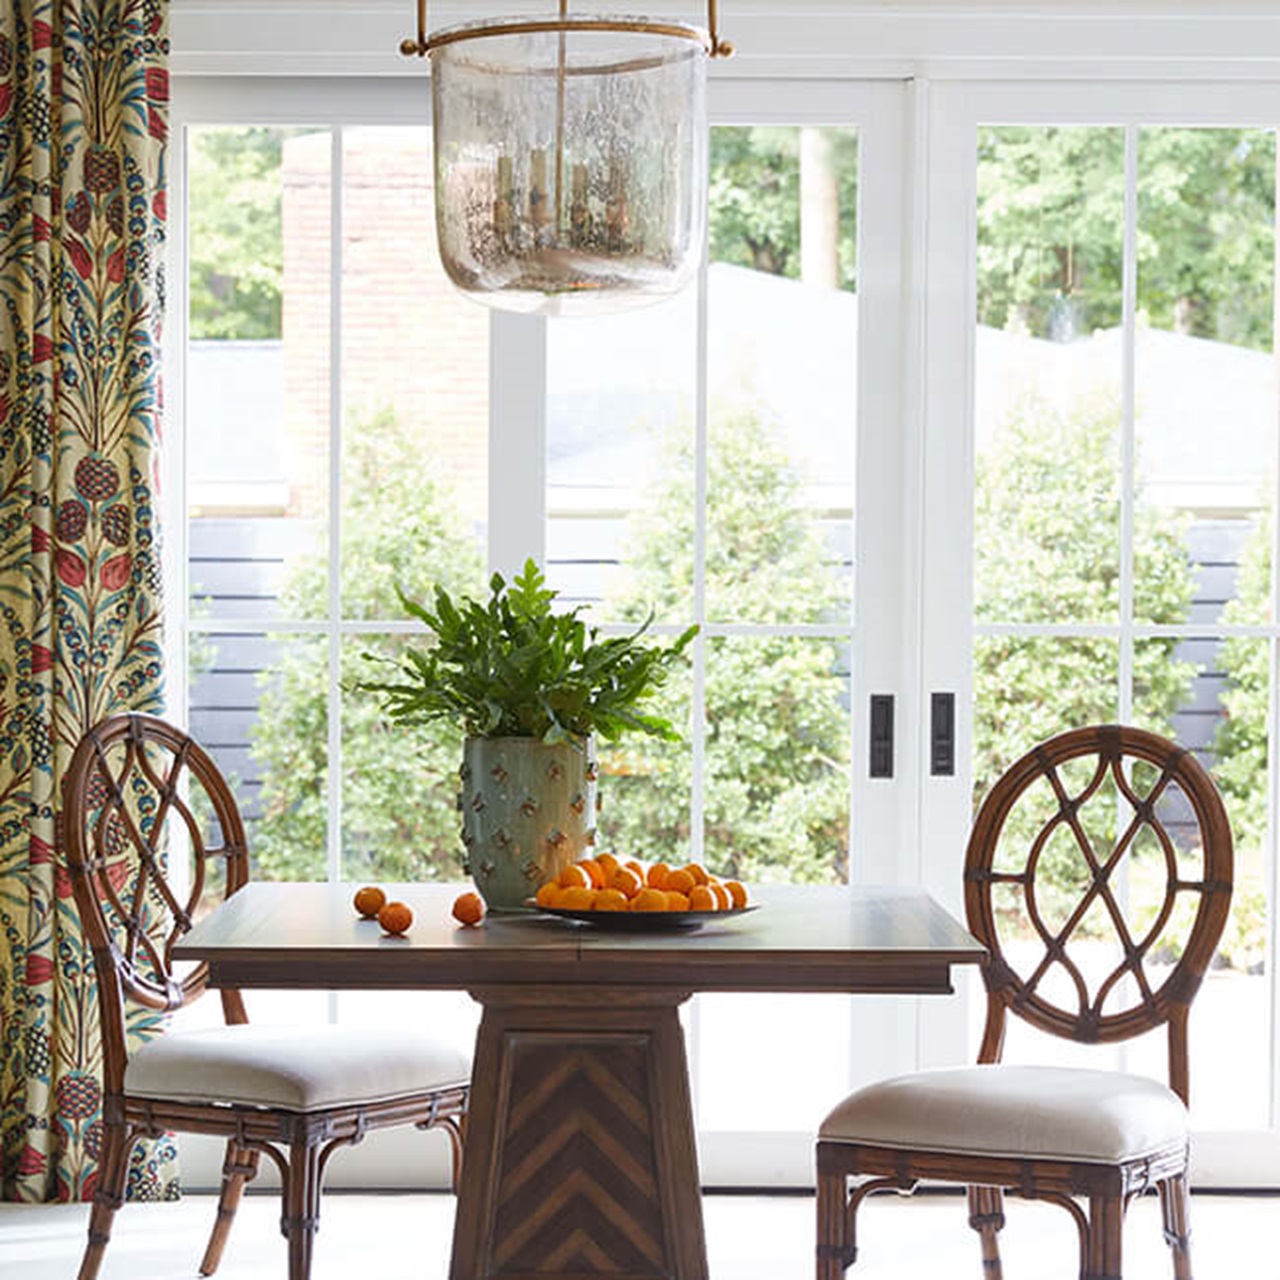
[(532, 688)]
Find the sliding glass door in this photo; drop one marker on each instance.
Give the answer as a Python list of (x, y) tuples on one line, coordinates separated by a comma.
[(354, 426), (1103, 533)]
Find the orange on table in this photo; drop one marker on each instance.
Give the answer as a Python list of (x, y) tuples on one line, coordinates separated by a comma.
[(649, 900), (574, 876), (395, 917), (637, 866), (698, 873), (610, 900), (626, 880), (607, 863), (737, 894), (679, 881), (369, 900), (701, 898), (656, 877), (468, 908), (721, 895), (548, 895), (676, 901)]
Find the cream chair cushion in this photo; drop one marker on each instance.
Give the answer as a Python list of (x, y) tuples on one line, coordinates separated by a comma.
[(303, 1069), (1049, 1112)]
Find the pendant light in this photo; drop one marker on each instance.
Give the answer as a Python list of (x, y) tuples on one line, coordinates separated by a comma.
[(570, 157)]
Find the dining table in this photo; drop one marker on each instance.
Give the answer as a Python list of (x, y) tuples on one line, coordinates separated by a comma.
[(580, 1157)]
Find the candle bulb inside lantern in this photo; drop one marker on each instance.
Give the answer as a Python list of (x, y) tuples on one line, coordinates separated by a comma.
[(617, 217), (503, 199), (539, 214), (579, 214)]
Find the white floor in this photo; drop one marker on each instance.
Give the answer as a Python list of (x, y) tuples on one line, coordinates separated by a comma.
[(395, 1237)]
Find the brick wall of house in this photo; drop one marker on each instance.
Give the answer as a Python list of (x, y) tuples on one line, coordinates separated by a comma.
[(409, 340)]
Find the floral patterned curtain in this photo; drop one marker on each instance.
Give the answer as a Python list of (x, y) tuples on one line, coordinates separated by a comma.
[(83, 123)]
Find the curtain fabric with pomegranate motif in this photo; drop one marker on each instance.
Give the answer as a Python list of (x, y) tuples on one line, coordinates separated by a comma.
[(83, 119)]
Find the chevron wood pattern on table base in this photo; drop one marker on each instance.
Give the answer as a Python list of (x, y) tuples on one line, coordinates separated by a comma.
[(576, 1108)]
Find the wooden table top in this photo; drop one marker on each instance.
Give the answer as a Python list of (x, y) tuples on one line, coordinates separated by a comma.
[(801, 938)]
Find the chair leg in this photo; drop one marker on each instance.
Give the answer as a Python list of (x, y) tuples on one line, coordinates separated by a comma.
[(836, 1251), (986, 1217), (456, 1128), (238, 1167), (113, 1171), (1103, 1245), (301, 1216), (1175, 1207)]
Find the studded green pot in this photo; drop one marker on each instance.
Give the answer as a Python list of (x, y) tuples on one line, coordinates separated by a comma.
[(528, 811)]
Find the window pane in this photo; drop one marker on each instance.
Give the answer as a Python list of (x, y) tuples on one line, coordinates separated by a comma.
[(1205, 372), (1028, 688), (1050, 237), (1224, 717), (415, 382), (258, 706), (778, 751), (620, 395), (782, 371), (399, 784), (257, 363)]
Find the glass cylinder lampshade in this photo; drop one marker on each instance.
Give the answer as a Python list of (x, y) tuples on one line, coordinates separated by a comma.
[(570, 163)]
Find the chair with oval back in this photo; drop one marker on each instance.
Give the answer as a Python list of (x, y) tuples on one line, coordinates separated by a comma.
[(1044, 875), (138, 795)]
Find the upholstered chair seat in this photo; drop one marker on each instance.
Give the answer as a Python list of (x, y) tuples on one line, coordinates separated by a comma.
[(298, 1068), (1049, 1113)]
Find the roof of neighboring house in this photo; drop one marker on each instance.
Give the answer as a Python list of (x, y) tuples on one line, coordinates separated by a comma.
[(1206, 411)]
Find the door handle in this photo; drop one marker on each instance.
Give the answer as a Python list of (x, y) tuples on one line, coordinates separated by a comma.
[(881, 762), (942, 734)]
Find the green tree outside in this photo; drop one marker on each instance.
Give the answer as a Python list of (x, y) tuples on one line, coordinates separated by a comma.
[(1050, 240), (1047, 529), (754, 198), (777, 735), (235, 237), (1240, 746)]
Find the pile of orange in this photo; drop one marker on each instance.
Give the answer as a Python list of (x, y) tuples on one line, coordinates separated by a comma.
[(603, 883), (371, 902)]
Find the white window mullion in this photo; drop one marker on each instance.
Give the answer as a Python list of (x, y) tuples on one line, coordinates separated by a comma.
[(1128, 395), (1272, 879), (333, 655), (697, 711)]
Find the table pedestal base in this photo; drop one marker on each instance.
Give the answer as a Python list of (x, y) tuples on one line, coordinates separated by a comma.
[(580, 1157)]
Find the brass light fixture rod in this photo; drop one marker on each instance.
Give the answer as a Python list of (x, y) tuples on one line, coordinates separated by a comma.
[(709, 39)]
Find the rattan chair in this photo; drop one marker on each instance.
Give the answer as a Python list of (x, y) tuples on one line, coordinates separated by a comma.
[(1081, 806), (140, 799)]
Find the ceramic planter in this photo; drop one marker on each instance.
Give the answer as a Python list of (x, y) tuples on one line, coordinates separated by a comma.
[(528, 811)]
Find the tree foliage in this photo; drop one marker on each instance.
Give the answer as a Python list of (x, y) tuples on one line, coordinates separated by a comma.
[(399, 783), (1240, 746), (754, 198), (236, 240), (1051, 230)]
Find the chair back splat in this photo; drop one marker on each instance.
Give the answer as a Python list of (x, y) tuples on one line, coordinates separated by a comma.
[(1048, 857), (139, 798)]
